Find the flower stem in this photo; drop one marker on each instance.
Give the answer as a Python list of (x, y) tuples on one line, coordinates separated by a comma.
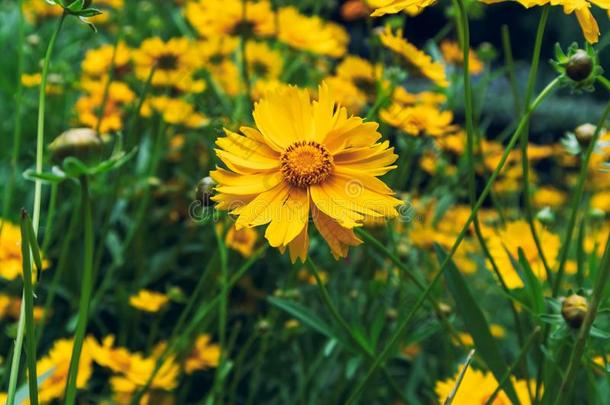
[(85, 297), (422, 297), (15, 363), (576, 199), (28, 302), (579, 347)]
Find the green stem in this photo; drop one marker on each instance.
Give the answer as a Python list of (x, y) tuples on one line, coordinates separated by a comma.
[(579, 347), (527, 197), (345, 326), (510, 67), (222, 311), (576, 199), (395, 338), (16, 361), (48, 232), (85, 297), (28, 295)]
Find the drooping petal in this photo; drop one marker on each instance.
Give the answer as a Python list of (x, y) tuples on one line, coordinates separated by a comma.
[(338, 238), (588, 24), (299, 246), (324, 202)]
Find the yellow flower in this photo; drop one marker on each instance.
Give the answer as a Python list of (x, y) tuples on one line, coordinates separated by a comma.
[(204, 355), (452, 53), (515, 235), (477, 386), (176, 62), (355, 82), (496, 330), (55, 365), (148, 301), (98, 61), (107, 8), (34, 80), (242, 240), (601, 201), (174, 111), (412, 7), (132, 370), (89, 105), (416, 59), (263, 62), (10, 251), (36, 10), (549, 197), (402, 96), (581, 8), (304, 157), (419, 120), (311, 34), (213, 19)]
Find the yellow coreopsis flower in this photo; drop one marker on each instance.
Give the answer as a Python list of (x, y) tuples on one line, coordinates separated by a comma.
[(213, 19), (477, 386), (148, 301), (98, 61), (517, 235), (204, 355), (355, 82), (549, 197), (311, 34), (304, 157), (263, 62), (416, 59), (175, 62), (55, 366)]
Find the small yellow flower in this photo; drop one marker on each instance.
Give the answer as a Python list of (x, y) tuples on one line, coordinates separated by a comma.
[(355, 82), (517, 235), (421, 119), (453, 54), (148, 301), (11, 265), (477, 386), (311, 34), (98, 61), (549, 197), (88, 106), (214, 19), (55, 366), (242, 240), (420, 62), (263, 62), (174, 111), (204, 355)]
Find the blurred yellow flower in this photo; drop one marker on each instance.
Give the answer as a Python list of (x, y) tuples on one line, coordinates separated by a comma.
[(203, 356), (174, 111), (214, 19), (34, 80), (453, 54), (55, 365), (10, 251), (515, 235), (412, 7), (496, 330), (36, 10), (176, 62), (311, 34), (88, 106), (242, 240), (148, 301), (263, 62), (355, 82), (477, 386), (307, 157), (421, 119), (548, 197), (402, 96), (98, 61), (414, 58)]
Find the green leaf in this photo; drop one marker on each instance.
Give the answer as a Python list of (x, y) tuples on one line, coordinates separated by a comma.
[(475, 323), (76, 5), (304, 315), (34, 247), (532, 284), (47, 177)]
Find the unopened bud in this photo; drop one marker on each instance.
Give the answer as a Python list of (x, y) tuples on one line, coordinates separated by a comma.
[(81, 143), (579, 66), (585, 133), (574, 309), (204, 190)]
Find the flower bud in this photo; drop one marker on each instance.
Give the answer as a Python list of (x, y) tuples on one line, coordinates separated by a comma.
[(353, 10), (584, 134), (81, 143), (204, 190), (579, 66), (574, 309)]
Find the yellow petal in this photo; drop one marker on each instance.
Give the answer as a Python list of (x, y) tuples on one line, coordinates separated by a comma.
[(338, 238), (289, 219), (243, 184)]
